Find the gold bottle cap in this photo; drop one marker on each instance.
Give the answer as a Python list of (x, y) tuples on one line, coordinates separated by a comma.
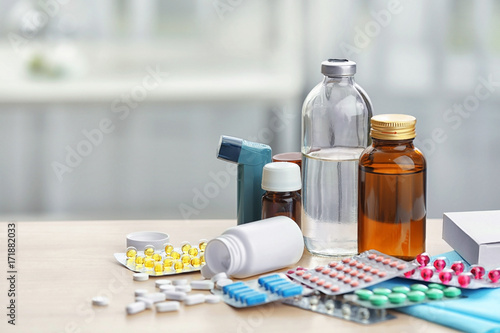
[(393, 127)]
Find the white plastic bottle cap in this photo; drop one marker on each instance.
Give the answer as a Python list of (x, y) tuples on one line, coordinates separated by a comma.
[(202, 285), (281, 177), (162, 282), (194, 299), (168, 306), (135, 307), (140, 277), (100, 301)]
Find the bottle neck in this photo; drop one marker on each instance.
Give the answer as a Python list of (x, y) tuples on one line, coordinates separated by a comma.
[(226, 254), (382, 142), (342, 80)]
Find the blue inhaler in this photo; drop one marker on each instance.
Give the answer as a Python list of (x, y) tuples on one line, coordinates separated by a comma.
[(251, 158)]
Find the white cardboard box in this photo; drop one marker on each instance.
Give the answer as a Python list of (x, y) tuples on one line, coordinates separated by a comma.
[(475, 236)]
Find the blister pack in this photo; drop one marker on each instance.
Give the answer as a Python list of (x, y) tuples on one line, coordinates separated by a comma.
[(265, 289), (166, 261), (455, 274), (349, 274), (339, 307), (384, 298)]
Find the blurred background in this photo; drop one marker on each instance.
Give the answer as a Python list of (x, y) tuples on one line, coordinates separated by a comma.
[(113, 109)]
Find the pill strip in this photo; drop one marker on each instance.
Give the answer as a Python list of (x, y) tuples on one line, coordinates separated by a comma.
[(349, 274), (336, 306), (379, 298), (265, 289), (454, 274)]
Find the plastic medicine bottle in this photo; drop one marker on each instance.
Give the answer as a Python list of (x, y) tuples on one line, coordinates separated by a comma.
[(392, 190), (282, 183), (335, 130), (255, 248)]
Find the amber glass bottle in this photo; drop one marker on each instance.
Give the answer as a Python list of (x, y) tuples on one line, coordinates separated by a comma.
[(282, 183), (392, 189)]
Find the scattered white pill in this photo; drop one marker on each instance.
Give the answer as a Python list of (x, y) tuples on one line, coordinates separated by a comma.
[(167, 287), (147, 301), (162, 282), (219, 276), (194, 299), (180, 282), (168, 306), (135, 307), (100, 301), (185, 288), (212, 299), (141, 277), (140, 292), (223, 282), (206, 272), (175, 295), (202, 285), (155, 297)]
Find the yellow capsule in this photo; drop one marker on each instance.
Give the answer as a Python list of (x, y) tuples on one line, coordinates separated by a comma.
[(149, 250), (175, 255), (185, 246), (139, 260), (167, 263), (131, 252), (158, 267), (169, 248), (130, 261), (186, 258), (202, 245), (193, 252), (195, 262), (186, 265), (149, 263), (202, 259), (178, 266), (156, 257)]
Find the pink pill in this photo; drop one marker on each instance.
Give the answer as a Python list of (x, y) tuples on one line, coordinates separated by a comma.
[(368, 279), (346, 260), (314, 279), (353, 263), (446, 275), (347, 269), (477, 271), (379, 259), (367, 268), (361, 276), (326, 271), (372, 256), (423, 259), (300, 269), (339, 267), (335, 288), (494, 275), (291, 271), (426, 273), (409, 273), (394, 263), (382, 274), (327, 285), (401, 266), (440, 263), (347, 280), (320, 282), (386, 261), (333, 274), (319, 268), (340, 277), (333, 264), (354, 273), (306, 276), (354, 283), (464, 279), (359, 265), (299, 273), (374, 271), (458, 267)]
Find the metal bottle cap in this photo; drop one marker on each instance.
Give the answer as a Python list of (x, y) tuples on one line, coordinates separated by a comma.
[(393, 127), (338, 67)]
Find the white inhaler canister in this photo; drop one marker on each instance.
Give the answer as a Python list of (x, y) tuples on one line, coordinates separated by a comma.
[(255, 248)]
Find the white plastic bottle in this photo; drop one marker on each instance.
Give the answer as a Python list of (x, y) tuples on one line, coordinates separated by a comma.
[(255, 248)]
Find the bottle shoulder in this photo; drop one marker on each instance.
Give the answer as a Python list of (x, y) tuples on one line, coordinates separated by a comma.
[(392, 159)]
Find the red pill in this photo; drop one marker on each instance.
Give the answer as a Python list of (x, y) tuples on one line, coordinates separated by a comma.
[(382, 274), (354, 273), (314, 279), (319, 268), (299, 273), (368, 279), (333, 264), (401, 267), (326, 271), (386, 261), (335, 288), (359, 265), (347, 269), (354, 283), (333, 274), (372, 256), (347, 280)]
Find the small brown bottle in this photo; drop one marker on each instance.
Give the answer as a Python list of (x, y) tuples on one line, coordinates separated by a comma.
[(282, 183), (392, 189)]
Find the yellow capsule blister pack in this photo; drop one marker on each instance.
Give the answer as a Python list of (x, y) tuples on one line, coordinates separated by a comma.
[(168, 260)]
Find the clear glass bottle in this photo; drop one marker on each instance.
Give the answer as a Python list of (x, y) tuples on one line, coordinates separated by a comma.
[(282, 183), (335, 130), (392, 190)]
